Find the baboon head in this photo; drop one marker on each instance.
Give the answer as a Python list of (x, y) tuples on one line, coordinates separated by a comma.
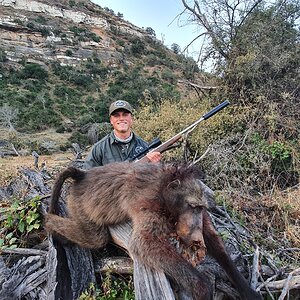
[(187, 202)]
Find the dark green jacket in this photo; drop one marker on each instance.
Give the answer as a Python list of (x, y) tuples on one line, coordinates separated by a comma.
[(110, 150)]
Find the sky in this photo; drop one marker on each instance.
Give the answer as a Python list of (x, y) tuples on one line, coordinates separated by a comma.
[(160, 15)]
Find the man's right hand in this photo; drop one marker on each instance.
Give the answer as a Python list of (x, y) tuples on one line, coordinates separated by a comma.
[(154, 156)]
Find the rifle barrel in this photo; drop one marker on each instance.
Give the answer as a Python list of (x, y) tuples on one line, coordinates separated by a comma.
[(204, 117), (176, 137)]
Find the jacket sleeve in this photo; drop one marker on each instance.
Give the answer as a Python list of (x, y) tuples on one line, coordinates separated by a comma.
[(94, 159)]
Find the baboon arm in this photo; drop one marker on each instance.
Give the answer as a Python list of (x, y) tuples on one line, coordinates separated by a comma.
[(80, 234), (216, 248), (149, 242)]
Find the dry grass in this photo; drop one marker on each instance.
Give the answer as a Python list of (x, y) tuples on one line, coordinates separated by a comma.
[(275, 219), (9, 166)]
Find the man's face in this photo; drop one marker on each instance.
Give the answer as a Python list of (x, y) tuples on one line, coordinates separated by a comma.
[(121, 120)]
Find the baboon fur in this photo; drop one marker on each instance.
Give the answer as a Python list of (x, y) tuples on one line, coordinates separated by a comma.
[(154, 197)]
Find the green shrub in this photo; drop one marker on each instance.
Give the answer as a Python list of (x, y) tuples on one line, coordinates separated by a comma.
[(19, 22), (137, 47), (79, 138), (41, 19), (19, 219), (35, 71), (112, 288), (69, 52), (31, 25), (3, 57), (45, 31), (166, 118)]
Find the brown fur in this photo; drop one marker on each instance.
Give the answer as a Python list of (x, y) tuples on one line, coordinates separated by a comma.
[(154, 197)]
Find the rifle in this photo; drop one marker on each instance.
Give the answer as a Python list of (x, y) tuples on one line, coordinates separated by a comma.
[(154, 144), (167, 144)]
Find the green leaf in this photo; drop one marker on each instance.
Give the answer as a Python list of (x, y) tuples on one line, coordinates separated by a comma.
[(12, 240), (15, 205), (29, 219), (9, 236), (36, 225), (21, 227), (29, 228), (12, 246)]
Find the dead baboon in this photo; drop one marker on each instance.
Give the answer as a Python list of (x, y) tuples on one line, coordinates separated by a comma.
[(156, 198)]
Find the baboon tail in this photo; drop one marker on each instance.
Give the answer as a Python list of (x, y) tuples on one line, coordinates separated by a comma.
[(70, 172)]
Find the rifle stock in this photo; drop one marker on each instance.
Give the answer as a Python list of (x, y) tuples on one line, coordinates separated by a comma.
[(164, 146)]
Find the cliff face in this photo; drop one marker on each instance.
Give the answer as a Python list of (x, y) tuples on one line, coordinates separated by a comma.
[(45, 31), (68, 59)]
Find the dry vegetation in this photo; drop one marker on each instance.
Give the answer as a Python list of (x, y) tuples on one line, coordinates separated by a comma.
[(9, 166), (271, 214)]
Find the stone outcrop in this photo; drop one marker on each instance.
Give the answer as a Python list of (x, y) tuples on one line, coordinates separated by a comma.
[(20, 37), (54, 11)]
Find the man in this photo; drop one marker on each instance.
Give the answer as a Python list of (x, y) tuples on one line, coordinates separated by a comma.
[(122, 143)]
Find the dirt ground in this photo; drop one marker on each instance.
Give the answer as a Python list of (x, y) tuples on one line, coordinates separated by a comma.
[(9, 166)]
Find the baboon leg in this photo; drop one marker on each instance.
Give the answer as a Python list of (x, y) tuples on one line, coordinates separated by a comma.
[(216, 248), (150, 242), (88, 237)]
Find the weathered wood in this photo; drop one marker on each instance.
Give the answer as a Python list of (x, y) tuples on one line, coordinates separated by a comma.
[(24, 251), (24, 279), (118, 265), (77, 151), (74, 268), (51, 263)]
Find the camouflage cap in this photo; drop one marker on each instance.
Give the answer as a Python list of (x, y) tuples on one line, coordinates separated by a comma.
[(120, 104)]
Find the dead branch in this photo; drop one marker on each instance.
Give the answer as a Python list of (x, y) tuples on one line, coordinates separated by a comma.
[(118, 265)]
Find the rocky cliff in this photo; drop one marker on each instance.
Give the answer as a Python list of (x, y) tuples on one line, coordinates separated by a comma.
[(46, 30), (68, 59)]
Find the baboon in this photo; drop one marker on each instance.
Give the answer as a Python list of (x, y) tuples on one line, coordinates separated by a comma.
[(156, 197)]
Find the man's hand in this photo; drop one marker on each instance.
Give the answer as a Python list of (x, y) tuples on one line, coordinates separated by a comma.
[(154, 156)]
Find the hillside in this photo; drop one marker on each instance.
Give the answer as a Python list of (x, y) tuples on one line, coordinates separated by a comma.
[(63, 62)]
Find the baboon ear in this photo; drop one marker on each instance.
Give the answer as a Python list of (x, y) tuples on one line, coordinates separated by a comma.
[(174, 184)]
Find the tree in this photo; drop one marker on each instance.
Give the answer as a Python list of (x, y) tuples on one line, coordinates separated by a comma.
[(256, 51), (175, 48), (7, 115), (150, 31), (264, 58), (255, 45), (219, 20), (34, 71)]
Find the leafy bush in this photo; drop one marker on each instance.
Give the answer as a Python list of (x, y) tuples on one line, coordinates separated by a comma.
[(35, 71), (137, 47), (113, 288), (69, 52), (166, 119), (234, 155), (2, 56), (41, 19), (79, 138), (19, 219), (84, 34), (72, 3)]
